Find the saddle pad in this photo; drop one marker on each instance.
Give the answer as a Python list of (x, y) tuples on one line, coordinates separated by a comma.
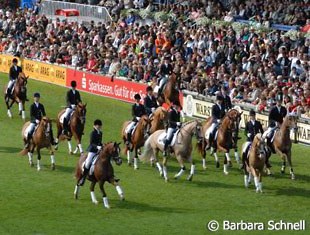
[(246, 148), (162, 137), (156, 89), (28, 129), (134, 128), (92, 167), (61, 119)]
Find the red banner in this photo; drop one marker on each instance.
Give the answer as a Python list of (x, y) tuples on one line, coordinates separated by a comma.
[(102, 85)]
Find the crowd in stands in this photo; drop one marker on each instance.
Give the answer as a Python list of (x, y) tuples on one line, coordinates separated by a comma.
[(251, 67)]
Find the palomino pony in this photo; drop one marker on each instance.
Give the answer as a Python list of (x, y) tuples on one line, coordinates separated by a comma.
[(170, 92), (42, 138), (158, 119), (182, 148), (103, 171), (76, 127), (19, 95), (255, 162), (282, 143), (228, 138), (137, 138)]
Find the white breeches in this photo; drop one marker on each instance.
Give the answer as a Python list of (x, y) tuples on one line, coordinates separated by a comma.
[(32, 126), (130, 127), (268, 132), (89, 160), (68, 112), (11, 84), (162, 82), (245, 146), (210, 130), (170, 132)]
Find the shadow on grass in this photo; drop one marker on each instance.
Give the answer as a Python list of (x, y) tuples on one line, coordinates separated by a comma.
[(65, 169), (300, 192), (138, 206), (206, 184), (4, 149)]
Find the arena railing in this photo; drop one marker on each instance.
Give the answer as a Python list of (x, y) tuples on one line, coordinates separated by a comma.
[(87, 12)]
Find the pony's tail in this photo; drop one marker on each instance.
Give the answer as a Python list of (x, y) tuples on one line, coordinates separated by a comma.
[(23, 152), (147, 151)]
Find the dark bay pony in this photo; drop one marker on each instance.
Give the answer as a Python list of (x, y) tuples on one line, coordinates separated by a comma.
[(255, 162), (282, 143), (19, 96), (76, 127), (42, 138), (158, 119), (103, 172), (228, 137), (137, 138), (170, 91)]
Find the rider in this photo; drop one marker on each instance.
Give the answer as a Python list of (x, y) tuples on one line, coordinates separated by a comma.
[(173, 124), (275, 119), (73, 98), (165, 71), (252, 128), (217, 113), (13, 75), (37, 111), (94, 147), (138, 111), (150, 103), (226, 99)]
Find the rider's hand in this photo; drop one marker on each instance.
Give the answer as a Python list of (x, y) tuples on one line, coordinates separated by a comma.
[(249, 135), (153, 110), (99, 148), (179, 124), (37, 121), (218, 120), (73, 106), (138, 118)]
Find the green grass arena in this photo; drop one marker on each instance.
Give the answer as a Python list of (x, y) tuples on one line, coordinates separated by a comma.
[(42, 202)]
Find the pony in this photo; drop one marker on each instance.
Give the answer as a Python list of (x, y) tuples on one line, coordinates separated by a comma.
[(42, 138), (282, 143), (137, 138), (103, 171), (255, 162), (158, 119), (76, 127), (227, 138), (170, 92), (182, 148), (19, 95)]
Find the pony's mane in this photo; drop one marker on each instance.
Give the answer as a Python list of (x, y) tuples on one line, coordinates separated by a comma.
[(189, 122)]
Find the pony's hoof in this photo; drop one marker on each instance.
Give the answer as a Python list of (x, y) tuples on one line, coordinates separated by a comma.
[(282, 172), (38, 168), (161, 174), (53, 167), (217, 165), (122, 198), (166, 180), (70, 152), (95, 202), (56, 147), (31, 164), (190, 178), (293, 177), (76, 196), (226, 173)]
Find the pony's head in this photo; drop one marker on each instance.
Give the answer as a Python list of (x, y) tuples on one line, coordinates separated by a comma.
[(259, 144), (113, 151), (22, 79), (198, 131), (158, 119), (81, 111), (290, 121), (145, 124), (46, 125), (232, 122)]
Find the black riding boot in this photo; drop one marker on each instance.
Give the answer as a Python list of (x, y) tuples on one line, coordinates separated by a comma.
[(167, 142), (29, 136), (128, 139), (65, 127), (83, 178)]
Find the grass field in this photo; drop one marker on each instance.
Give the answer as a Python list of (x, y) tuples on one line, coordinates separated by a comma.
[(42, 202)]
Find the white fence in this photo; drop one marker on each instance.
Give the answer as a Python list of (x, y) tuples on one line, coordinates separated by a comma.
[(87, 12)]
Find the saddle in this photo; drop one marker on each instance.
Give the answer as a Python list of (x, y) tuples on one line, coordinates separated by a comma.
[(92, 166), (133, 130), (28, 129), (62, 117), (162, 137), (271, 139)]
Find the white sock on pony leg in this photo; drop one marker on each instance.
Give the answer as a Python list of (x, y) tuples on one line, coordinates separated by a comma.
[(93, 197), (30, 158), (128, 157), (225, 169), (204, 166), (9, 113), (38, 165), (106, 202), (216, 157), (23, 115), (69, 146), (237, 158), (20, 106), (80, 148), (256, 182), (228, 157), (76, 191), (159, 168), (52, 159), (246, 181), (135, 163), (120, 191), (165, 173), (192, 172), (181, 172)]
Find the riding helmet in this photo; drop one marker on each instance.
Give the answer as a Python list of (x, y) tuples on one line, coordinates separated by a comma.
[(149, 88), (97, 122), (15, 60), (73, 84), (137, 97), (37, 94), (252, 112)]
